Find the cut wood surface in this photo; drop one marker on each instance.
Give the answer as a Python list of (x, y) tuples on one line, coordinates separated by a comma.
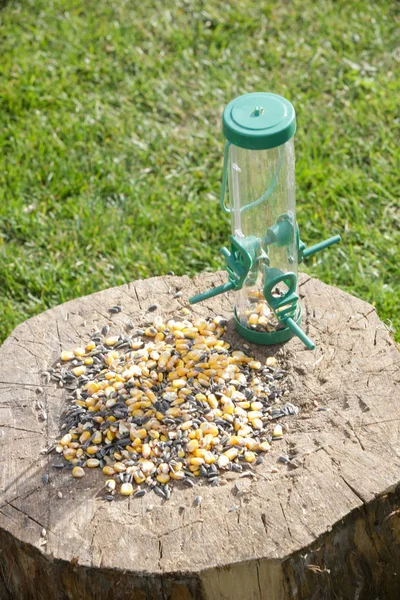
[(329, 529)]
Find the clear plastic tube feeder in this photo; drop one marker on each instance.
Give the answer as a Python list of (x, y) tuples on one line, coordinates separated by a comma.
[(265, 247)]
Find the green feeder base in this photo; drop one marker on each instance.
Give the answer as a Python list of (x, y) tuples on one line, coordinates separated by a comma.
[(268, 338)]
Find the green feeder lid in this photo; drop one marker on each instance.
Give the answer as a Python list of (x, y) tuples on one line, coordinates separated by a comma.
[(259, 121)]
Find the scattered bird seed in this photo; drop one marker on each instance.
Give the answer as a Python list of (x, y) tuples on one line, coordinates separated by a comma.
[(248, 474), (59, 495), (197, 501), (115, 309), (43, 533), (175, 403)]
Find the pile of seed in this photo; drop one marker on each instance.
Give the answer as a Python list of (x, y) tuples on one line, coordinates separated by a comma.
[(259, 316), (172, 402)]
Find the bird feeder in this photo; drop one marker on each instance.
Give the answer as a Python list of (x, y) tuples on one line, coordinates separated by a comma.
[(265, 246)]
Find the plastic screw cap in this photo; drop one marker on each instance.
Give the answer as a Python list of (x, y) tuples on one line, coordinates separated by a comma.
[(259, 121)]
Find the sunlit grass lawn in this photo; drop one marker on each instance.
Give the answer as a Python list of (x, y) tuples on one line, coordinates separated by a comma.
[(111, 144)]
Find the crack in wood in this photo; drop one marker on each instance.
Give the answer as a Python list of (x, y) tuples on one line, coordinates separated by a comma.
[(25, 514), (181, 527), (20, 429), (285, 519), (137, 296), (258, 579), (264, 522), (352, 488)]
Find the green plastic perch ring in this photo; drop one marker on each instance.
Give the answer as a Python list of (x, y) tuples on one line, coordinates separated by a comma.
[(268, 338)]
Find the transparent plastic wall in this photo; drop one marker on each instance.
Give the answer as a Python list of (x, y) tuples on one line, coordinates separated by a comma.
[(262, 191)]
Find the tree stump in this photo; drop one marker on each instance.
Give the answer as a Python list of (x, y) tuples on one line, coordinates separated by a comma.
[(329, 529)]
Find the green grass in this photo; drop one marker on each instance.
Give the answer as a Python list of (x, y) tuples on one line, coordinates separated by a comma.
[(111, 144)]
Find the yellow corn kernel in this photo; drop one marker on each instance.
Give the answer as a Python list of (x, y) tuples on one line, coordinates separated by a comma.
[(163, 477), (231, 453), (110, 485), (229, 407), (253, 319), (187, 425), (119, 467), (254, 414), (78, 472), (97, 438), (197, 461), (92, 450), (66, 355), (251, 444), (78, 371), (79, 352), (255, 364), (146, 466), (212, 401), (146, 451), (66, 439), (192, 446), (256, 406), (249, 456), (209, 428), (209, 458), (139, 477), (126, 489), (69, 453), (84, 437), (108, 470), (244, 404), (177, 466), (264, 446), (200, 452), (177, 475), (92, 463), (179, 383), (235, 440)]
